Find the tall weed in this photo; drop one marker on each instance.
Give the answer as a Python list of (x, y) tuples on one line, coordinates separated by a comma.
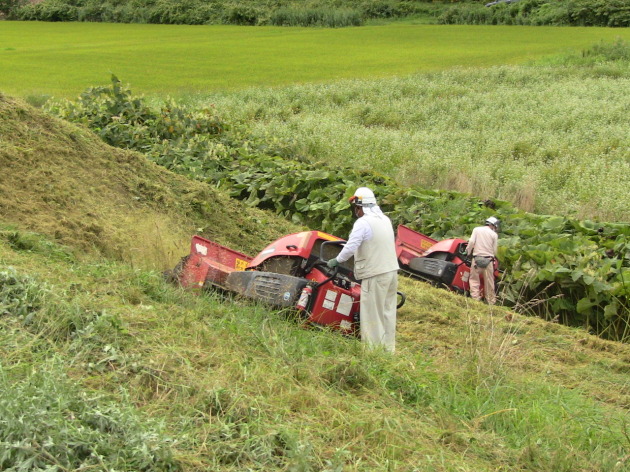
[(315, 17)]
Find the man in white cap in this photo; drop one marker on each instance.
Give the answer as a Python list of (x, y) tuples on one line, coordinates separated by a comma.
[(482, 245), (372, 243)]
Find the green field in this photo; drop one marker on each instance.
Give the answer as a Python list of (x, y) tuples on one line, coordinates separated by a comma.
[(62, 59)]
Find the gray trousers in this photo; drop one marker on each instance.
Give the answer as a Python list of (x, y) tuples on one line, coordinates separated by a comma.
[(378, 310)]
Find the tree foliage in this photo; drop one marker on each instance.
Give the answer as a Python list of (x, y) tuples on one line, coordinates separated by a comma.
[(614, 13)]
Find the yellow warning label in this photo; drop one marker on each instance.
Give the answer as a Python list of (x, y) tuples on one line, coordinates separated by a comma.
[(424, 244), (327, 236), (241, 264)]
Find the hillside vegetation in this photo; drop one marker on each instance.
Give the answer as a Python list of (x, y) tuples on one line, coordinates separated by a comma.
[(550, 137), (104, 366), (60, 181), (559, 267), (327, 13)]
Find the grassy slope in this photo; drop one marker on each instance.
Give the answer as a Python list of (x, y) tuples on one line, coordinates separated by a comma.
[(241, 389), (58, 180)]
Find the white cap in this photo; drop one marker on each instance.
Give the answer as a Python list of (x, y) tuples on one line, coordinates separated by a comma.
[(493, 221), (363, 197)]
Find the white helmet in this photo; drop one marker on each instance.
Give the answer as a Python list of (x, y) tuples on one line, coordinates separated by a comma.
[(493, 221), (363, 197)]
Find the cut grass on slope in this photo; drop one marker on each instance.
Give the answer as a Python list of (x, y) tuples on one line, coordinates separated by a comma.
[(239, 387), (62, 180)]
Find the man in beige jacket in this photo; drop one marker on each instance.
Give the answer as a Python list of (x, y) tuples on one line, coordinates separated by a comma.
[(482, 245), (372, 242)]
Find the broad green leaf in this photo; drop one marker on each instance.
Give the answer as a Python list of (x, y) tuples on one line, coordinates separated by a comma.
[(610, 311), (554, 224), (584, 305)]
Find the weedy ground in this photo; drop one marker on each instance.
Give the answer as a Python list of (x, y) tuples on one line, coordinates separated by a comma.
[(549, 139), (106, 365)]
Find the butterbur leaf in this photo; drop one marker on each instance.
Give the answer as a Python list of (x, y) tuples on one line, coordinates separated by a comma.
[(584, 305), (559, 304), (555, 224), (575, 276), (610, 311)]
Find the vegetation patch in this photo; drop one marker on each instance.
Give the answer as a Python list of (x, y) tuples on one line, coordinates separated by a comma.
[(573, 270), (611, 13), (116, 369), (48, 423), (319, 13), (63, 181), (175, 381)]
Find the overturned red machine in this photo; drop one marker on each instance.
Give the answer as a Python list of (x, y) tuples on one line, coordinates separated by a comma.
[(292, 273), (442, 263)]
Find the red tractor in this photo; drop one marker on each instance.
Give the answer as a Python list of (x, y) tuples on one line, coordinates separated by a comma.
[(441, 263), (289, 273), (292, 273)]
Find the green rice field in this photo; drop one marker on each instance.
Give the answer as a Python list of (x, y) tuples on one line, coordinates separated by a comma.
[(62, 59)]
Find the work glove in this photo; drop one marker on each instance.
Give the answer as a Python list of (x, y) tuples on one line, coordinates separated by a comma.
[(332, 263)]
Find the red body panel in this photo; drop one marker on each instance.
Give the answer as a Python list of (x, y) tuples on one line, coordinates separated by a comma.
[(450, 246), (293, 245), (410, 244), (332, 304), (209, 262), (335, 306)]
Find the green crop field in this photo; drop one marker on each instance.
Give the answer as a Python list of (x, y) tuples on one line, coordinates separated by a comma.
[(62, 59)]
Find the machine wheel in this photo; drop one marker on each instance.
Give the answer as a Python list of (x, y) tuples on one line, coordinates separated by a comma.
[(403, 299)]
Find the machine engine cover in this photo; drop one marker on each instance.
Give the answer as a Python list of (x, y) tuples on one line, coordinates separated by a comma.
[(435, 269), (274, 289)]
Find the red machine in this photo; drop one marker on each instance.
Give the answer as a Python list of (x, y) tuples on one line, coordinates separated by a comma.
[(292, 273), (289, 273), (442, 263)]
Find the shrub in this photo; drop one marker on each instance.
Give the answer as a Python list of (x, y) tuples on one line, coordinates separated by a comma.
[(598, 13), (387, 9), (244, 15), (614, 13), (51, 10), (315, 17), (7, 7)]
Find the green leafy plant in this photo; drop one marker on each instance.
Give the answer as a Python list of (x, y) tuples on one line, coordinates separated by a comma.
[(20, 295)]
